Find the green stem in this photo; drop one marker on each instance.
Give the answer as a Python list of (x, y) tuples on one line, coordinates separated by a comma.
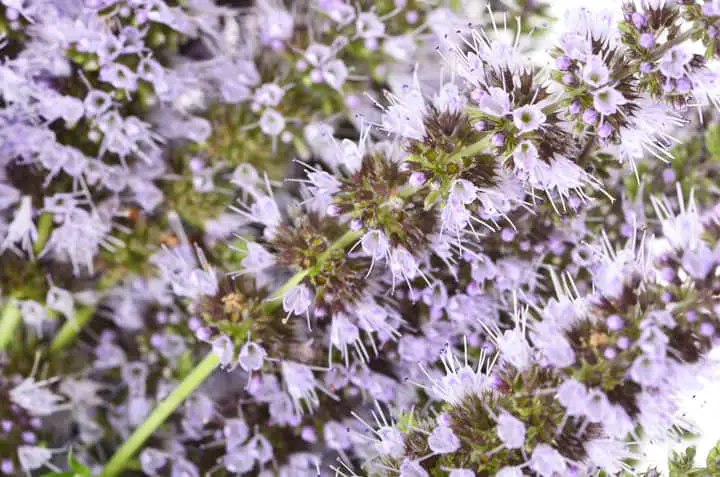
[(660, 51), (9, 321), (274, 301), (44, 227), (71, 328), (348, 237), (470, 149), (168, 405)]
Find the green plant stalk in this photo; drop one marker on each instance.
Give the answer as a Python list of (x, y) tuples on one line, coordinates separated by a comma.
[(44, 227), (167, 406), (682, 37), (9, 321), (470, 149), (71, 328)]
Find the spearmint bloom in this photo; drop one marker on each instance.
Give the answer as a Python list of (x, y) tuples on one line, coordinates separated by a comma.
[(33, 457), (607, 100), (443, 440), (595, 72), (36, 398), (496, 102), (528, 118), (276, 25), (297, 300), (404, 116), (547, 462), (301, 384), (673, 63), (256, 259), (511, 431), (22, 229)]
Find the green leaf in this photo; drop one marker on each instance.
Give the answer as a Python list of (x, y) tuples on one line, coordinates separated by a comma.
[(713, 459), (712, 139), (78, 469), (681, 464)]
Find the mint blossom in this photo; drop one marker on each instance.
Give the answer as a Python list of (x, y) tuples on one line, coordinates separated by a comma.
[(595, 72), (36, 398), (547, 461), (606, 100), (511, 431), (528, 118), (443, 440), (496, 102), (22, 229), (673, 63)]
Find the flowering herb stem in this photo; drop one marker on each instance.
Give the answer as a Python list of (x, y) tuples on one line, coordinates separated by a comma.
[(275, 300), (203, 369), (168, 405), (71, 328), (9, 321)]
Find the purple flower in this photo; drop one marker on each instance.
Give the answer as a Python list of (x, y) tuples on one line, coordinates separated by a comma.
[(673, 62), (574, 107), (623, 342), (639, 20), (528, 118), (443, 440), (647, 40), (480, 125), (511, 431), (589, 116), (563, 62), (498, 139), (683, 85), (707, 329), (547, 461), (605, 130), (614, 323), (7, 467)]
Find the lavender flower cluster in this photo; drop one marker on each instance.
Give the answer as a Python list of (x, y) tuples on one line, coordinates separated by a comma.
[(377, 238)]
